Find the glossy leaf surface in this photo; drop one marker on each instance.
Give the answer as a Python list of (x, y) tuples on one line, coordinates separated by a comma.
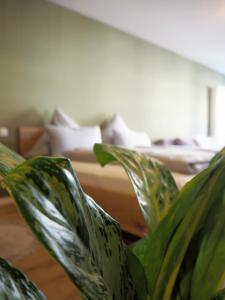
[(163, 253), (8, 159), (153, 183), (210, 263), (218, 156), (78, 233), (15, 286)]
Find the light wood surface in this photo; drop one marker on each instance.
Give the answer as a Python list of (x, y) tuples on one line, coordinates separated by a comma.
[(19, 247)]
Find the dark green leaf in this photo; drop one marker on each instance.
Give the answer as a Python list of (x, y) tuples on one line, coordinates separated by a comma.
[(138, 275), (78, 233), (209, 270), (218, 156), (15, 286), (153, 183), (163, 252), (184, 279), (8, 159), (220, 295)]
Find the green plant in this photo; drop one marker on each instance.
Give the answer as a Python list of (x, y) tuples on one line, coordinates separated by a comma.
[(182, 257)]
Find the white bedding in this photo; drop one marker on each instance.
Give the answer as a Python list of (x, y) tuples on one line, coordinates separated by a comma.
[(183, 159)]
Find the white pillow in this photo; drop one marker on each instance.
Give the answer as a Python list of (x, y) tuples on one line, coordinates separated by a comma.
[(130, 138), (115, 124), (42, 145), (60, 118), (208, 142), (65, 138)]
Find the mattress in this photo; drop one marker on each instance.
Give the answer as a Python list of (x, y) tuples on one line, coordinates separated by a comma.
[(180, 159), (183, 159)]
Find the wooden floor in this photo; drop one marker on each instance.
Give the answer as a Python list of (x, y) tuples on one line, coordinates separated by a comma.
[(19, 247)]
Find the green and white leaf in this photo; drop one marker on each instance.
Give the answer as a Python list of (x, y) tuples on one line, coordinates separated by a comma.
[(15, 286), (153, 183), (78, 233), (163, 253), (209, 268), (8, 159)]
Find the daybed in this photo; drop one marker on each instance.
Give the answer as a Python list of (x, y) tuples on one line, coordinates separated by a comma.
[(110, 186)]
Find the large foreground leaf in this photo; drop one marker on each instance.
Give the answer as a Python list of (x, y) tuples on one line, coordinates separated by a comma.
[(220, 295), (163, 253), (153, 183), (219, 155), (8, 159), (78, 233), (15, 286), (210, 264)]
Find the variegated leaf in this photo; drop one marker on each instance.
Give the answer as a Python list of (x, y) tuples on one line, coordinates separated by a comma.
[(153, 183), (209, 269), (8, 159), (15, 286), (164, 251), (77, 232)]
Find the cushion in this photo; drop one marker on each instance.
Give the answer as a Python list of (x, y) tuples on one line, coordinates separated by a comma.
[(130, 138), (163, 142), (208, 142), (60, 118), (42, 145), (115, 124), (64, 138), (175, 141), (184, 142)]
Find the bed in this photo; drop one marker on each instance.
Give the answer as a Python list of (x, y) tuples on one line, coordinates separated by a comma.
[(110, 186), (179, 159)]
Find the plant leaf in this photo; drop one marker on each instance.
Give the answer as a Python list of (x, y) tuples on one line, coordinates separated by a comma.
[(209, 269), (218, 156), (163, 252), (15, 286), (153, 183), (78, 233), (8, 159), (184, 278), (138, 275), (220, 295)]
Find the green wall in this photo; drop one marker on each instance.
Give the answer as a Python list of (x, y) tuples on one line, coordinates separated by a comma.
[(52, 56)]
